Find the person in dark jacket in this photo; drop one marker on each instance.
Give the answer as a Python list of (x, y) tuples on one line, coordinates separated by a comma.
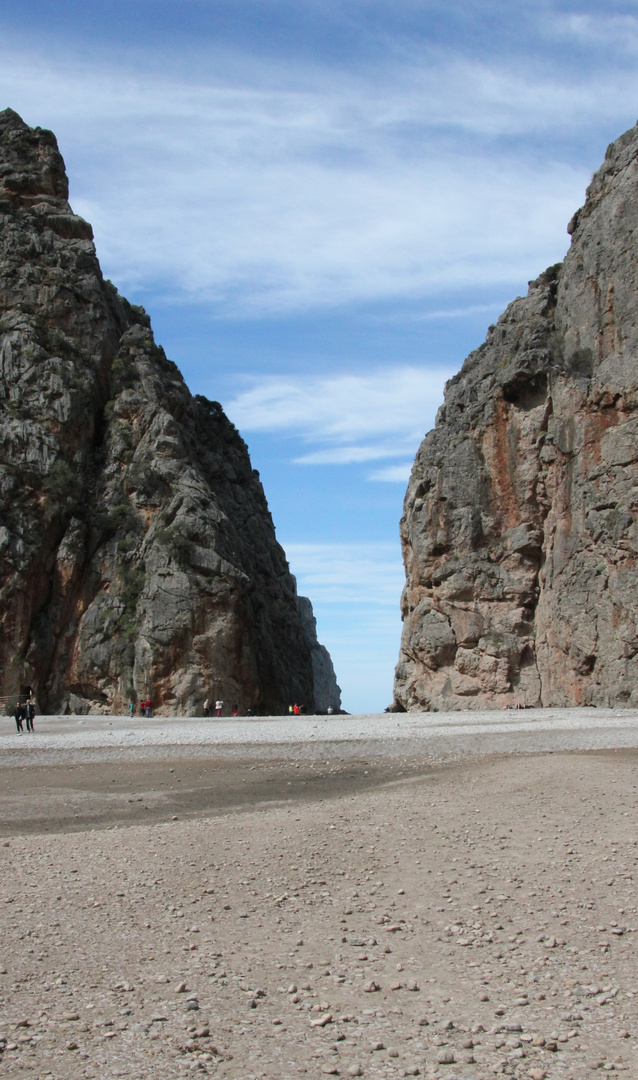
[(18, 716), (29, 713)]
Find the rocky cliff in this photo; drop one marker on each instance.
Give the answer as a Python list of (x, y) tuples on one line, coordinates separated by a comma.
[(520, 528), (137, 553), (326, 691)]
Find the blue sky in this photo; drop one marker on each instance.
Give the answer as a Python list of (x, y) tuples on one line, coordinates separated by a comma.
[(323, 204)]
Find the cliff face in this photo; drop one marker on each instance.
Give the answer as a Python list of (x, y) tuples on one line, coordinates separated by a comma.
[(520, 527), (137, 553), (326, 691)]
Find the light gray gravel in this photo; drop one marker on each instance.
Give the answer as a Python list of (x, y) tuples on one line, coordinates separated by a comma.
[(442, 736)]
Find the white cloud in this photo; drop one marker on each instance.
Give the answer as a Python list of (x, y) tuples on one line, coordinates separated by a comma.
[(359, 574), (393, 474), (355, 590), (461, 312), (355, 418), (620, 31), (348, 455), (273, 190)]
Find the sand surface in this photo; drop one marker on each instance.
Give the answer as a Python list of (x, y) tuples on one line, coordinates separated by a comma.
[(300, 899)]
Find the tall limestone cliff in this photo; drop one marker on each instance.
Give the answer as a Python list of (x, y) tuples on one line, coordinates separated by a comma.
[(327, 692), (520, 530), (137, 553)]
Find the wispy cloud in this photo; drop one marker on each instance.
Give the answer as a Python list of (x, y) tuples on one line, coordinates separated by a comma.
[(358, 573), (393, 474), (461, 312), (262, 189), (355, 418), (355, 590), (597, 30)]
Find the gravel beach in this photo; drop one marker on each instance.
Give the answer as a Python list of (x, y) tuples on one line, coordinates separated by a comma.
[(445, 895)]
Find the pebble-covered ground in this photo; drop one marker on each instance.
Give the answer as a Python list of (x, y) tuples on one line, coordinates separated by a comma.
[(476, 920)]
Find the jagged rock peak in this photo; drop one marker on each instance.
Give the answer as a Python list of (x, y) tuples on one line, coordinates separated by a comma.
[(31, 163), (137, 554), (520, 526)]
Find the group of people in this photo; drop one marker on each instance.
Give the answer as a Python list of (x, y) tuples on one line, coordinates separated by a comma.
[(24, 713), (297, 710), (145, 707), (219, 708)]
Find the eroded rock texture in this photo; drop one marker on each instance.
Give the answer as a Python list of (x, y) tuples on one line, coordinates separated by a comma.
[(137, 552), (520, 531)]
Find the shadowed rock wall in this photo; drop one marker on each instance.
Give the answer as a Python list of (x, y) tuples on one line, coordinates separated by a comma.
[(137, 553), (327, 693), (520, 526)]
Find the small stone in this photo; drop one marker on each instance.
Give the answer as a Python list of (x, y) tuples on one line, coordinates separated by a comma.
[(412, 985), (537, 1074), (71, 1046), (321, 1021), (292, 989), (446, 1057), (355, 1070), (371, 987), (377, 1046), (180, 988), (329, 1070)]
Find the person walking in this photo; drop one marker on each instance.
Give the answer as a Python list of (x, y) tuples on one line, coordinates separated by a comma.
[(131, 709), (29, 713), (18, 716), (235, 710), (149, 708), (207, 707), (219, 705)]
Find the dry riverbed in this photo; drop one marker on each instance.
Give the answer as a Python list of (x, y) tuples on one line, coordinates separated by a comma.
[(308, 918)]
